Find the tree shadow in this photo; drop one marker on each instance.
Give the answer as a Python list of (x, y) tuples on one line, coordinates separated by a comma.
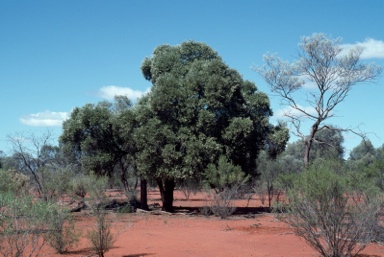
[(239, 210), (138, 255), (85, 251)]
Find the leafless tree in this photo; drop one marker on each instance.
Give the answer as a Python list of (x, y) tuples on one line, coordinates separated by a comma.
[(27, 154), (324, 73)]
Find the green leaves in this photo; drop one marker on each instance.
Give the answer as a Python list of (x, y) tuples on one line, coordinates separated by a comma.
[(224, 174), (200, 100)]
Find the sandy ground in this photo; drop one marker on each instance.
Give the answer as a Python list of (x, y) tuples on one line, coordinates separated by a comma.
[(142, 234)]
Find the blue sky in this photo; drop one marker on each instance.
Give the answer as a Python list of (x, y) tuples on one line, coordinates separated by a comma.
[(57, 55)]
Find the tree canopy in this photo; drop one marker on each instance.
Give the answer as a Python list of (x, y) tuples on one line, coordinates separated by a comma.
[(324, 74), (199, 111)]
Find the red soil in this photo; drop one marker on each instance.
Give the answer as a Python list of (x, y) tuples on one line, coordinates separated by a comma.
[(143, 234)]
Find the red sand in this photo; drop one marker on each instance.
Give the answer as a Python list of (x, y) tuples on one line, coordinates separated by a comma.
[(195, 235)]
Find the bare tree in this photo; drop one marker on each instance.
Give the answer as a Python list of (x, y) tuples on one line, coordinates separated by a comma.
[(324, 73), (28, 155)]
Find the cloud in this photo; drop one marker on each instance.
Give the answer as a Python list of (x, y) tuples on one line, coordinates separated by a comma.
[(44, 119), (372, 48), (109, 92), (293, 112)]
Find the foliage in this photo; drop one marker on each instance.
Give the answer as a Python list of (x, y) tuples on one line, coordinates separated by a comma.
[(270, 169), (23, 222), (323, 74), (198, 110), (99, 137), (224, 175), (14, 182), (100, 236), (79, 186), (331, 210), (55, 181), (277, 139), (32, 154), (62, 234), (189, 186), (223, 204)]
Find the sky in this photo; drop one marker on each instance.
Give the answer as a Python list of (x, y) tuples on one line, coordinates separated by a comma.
[(58, 55)]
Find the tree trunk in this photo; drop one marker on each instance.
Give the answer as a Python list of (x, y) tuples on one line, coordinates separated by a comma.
[(308, 145), (166, 190), (309, 141), (143, 194)]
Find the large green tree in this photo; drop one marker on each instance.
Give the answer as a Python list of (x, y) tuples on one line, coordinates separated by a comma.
[(198, 111), (323, 75), (100, 139)]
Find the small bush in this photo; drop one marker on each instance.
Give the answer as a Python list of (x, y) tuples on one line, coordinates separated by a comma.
[(101, 236), (62, 234), (79, 185), (188, 187), (206, 211), (223, 204), (22, 225), (12, 181)]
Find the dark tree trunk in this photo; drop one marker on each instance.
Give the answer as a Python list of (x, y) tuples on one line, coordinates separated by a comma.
[(309, 141), (308, 145), (143, 194), (166, 190)]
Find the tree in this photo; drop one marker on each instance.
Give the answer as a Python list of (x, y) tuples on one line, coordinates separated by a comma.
[(324, 74), (100, 138), (32, 154), (364, 150), (321, 147), (88, 138), (198, 110)]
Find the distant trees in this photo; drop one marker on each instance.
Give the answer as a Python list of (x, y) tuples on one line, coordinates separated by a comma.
[(328, 144), (323, 74), (33, 155)]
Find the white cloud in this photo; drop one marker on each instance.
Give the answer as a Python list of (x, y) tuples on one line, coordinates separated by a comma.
[(44, 119), (109, 92), (293, 112), (372, 48)]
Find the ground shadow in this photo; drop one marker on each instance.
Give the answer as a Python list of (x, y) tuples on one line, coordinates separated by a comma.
[(138, 255), (84, 251), (239, 210)]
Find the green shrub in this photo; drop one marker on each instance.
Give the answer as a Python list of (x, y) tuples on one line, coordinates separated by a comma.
[(332, 215), (61, 234), (22, 225)]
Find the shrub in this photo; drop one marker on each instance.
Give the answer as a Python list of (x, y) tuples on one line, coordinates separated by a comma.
[(79, 186), (101, 236), (323, 209), (222, 204), (22, 225), (55, 181), (61, 234), (188, 187), (12, 181)]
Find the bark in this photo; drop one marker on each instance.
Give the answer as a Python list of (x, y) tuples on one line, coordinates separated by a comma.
[(166, 190), (308, 145), (143, 195), (309, 141)]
